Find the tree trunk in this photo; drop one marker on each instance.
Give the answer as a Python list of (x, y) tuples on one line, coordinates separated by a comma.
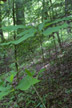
[(68, 7), (59, 40), (68, 10), (1, 32), (20, 18), (44, 11)]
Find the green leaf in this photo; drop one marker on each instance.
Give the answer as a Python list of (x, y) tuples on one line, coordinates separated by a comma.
[(47, 23), (58, 20), (28, 72), (41, 26), (10, 77), (54, 29), (29, 31), (12, 28), (4, 91), (16, 42), (4, 88), (2, 94), (27, 82)]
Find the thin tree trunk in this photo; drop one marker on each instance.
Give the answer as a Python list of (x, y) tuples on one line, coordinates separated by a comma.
[(15, 46), (59, 41), (68, 9), (1, 32), (20, 17)]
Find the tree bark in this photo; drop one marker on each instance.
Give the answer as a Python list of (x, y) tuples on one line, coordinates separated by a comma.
[(20, 18), (1, 32)]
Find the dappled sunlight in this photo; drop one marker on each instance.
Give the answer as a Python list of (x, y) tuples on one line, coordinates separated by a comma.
[(5, 35)]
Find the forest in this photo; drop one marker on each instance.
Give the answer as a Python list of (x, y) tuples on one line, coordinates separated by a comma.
[(35, 53)]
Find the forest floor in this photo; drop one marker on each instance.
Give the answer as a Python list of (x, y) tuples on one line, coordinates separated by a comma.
[(56, 82)]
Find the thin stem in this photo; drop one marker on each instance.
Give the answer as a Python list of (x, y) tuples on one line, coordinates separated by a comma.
[(15, 46), (39, 96)]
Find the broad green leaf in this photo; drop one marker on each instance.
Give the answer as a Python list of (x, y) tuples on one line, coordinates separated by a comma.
[(27, 82), (58, 20), (26, 36), (2, 88), (29, 31), (2, 94), (12, 28), (54, 29), (46, 23), (4, 91), (22, 39)]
